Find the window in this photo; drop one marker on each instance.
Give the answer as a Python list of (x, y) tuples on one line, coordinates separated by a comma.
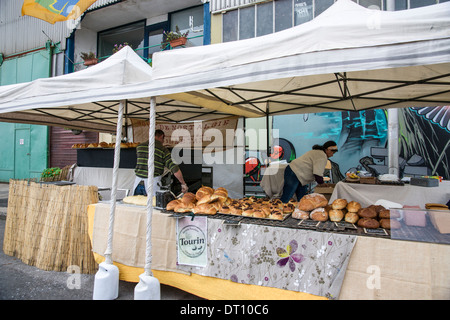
[(189, 19), (132, 33), (268, 17)]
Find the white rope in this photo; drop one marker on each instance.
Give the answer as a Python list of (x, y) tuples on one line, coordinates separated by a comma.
[(108, 252), (151, 171)]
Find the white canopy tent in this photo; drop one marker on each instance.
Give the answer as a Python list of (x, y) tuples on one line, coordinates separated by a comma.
[(348, 58), (89, 99)]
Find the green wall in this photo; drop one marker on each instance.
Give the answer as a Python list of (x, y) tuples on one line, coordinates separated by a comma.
[(24, 148)]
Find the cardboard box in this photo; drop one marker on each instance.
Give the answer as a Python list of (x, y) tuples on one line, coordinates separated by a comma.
[(424, 182), (325, 189), (440, 220)]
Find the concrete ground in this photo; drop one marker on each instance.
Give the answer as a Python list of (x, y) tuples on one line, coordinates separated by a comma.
[(19, 281)]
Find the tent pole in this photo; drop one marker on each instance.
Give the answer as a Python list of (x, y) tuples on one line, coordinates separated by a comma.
[(106, 284), (392, 124), (148, 287)]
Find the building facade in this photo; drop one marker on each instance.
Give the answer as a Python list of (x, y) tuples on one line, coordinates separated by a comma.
[(31, 48)]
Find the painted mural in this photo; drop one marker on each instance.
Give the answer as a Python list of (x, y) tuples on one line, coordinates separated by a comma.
[(424, 139)]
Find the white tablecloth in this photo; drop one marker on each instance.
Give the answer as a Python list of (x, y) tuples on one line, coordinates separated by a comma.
[(102, 177), (368, 194)]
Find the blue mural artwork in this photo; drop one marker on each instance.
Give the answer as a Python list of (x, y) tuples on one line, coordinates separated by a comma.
[(354, 132)]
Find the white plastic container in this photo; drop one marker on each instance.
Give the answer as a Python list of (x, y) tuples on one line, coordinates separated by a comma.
[(106, 285), (148, 288)]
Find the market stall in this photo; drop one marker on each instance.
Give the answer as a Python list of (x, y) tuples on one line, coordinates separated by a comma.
[(336, 62)]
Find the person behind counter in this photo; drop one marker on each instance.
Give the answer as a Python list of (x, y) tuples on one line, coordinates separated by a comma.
[(306, 169), (163, 159)]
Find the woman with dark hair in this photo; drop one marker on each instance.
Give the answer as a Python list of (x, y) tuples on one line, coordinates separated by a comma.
[(306, 169)]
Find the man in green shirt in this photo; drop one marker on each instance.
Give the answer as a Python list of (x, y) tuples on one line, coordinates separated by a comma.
[(163, 159)]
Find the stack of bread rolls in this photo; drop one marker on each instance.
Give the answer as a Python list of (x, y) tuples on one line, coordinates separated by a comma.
[(314, 207), (211, 201)]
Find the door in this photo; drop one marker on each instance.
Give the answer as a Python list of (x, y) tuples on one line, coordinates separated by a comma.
[(22, 154)]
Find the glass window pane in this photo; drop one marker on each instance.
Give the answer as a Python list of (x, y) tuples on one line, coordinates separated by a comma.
[(230, 26), (182, 19), (133, 34), (154, 41), (420, 3), (371, 4), (247, 23), (283, 14), (321, 6), (264, 21), (303, 11), (401, 4)]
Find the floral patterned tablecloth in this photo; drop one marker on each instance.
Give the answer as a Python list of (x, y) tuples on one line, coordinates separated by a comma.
[(292, 259)]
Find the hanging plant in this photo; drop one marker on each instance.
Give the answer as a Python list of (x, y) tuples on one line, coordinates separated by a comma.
[(89, 58), (174, 38), (118, 47)]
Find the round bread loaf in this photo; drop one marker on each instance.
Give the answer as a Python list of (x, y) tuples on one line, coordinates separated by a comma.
[(351, 217), (319, 214), (368, 223), (299, 214), (335, 215), (339, 204), (384, 214), (390, 224), (367, 213), (353, 206), (312, 201)]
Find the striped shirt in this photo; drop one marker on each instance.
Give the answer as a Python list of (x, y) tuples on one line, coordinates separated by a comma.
[(163, 158)]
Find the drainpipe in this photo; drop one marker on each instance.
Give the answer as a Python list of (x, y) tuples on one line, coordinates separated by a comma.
[(392, 123)]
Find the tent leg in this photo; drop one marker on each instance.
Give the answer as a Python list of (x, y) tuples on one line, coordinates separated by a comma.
[(393, 141), (148, 287), (106, 284)]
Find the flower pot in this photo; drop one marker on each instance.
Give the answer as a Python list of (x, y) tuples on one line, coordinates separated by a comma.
[(90, 62), (178, 42)]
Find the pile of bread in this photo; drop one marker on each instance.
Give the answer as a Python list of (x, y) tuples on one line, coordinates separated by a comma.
[(315, 206), (211, 201), (104, 145)]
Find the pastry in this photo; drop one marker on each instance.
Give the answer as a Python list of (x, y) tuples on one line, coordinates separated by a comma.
[(258, 214), (339, 204), (288, 208), (236, 210), (225, 209), (351, 217), (368, 223), (353, 206), (367, 213), (336, 215), (390, 224), (312, 201), (276, 215), (319, 214)]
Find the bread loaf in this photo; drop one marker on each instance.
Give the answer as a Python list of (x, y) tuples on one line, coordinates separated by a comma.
[(189, 197), (172, 204), (353, 206), (184, 207), (390, 224), (351, 217), (339, 204), (368, 223), (312, 201), (299, 214), (367, 213), (220, 194), (319, 214), (335, 215), (203, 191), (205, 208), (384, 214)]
